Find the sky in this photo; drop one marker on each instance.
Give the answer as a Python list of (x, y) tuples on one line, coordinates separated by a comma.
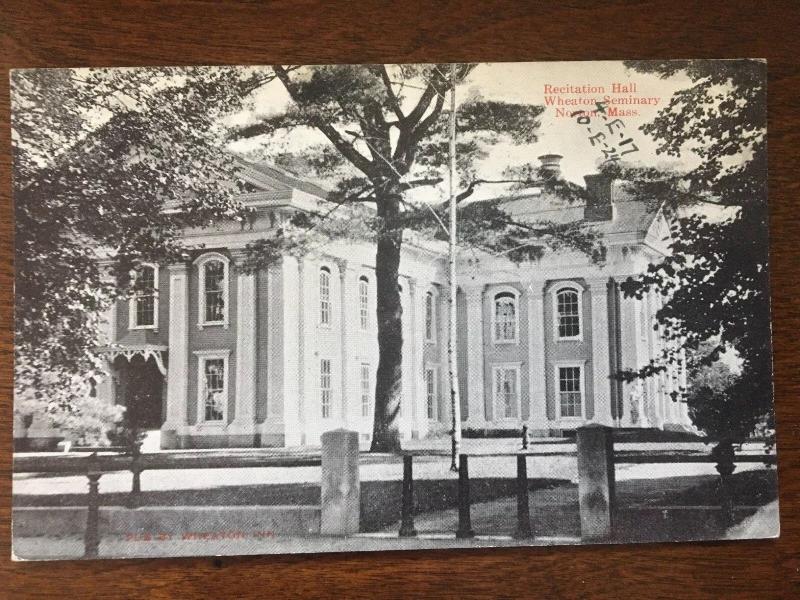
[(559, 134)]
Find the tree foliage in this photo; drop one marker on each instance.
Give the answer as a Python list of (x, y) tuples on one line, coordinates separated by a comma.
[(110, 166), (715, 283), (383, 137), (99, 154)]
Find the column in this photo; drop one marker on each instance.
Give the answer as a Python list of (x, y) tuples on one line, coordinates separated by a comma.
[(629, 337), (475, 357), (272, 429), (442, 338), (105, 386), (343, 331), (178, 371), (537, 375), (244, 419), (654, 346), (600, 352), (407, 376), (297, 430), (684, 408), (416, 346)]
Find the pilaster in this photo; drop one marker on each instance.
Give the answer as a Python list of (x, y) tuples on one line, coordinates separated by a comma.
[(178, 372), (475, 357), (600, 352), (346, 310), (244, 418), (537, 375)]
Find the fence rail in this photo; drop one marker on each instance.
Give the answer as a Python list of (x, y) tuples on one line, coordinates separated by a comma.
[(594, 451), (604, 473)]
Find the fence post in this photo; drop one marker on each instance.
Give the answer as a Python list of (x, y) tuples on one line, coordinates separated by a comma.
[(341, 488), (725, 466), (135, 497), (407, 510), (523, 509), (91, 540), (464, 520), (595, 446)]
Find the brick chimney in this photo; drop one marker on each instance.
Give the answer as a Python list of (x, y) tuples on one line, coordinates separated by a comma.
[(551, 164), (600, 204)]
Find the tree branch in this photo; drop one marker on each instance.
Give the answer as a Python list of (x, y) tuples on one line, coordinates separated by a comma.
[(358, 160), (394, 101)]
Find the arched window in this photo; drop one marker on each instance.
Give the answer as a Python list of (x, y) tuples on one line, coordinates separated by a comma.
[(213, 304), (325, 296), (430, 317), (505, 317), (144, 303), (363, 302), (568, 313)]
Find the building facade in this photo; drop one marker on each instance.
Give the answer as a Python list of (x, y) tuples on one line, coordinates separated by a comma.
[(216, 355)]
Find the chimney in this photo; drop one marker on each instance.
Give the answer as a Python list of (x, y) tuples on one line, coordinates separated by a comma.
[(551, 165), (600, 203)]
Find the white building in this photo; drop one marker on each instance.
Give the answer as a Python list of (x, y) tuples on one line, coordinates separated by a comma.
[(221, 357)]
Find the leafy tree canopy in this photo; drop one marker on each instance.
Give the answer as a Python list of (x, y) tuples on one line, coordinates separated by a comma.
[(715, 284), (99, 155)]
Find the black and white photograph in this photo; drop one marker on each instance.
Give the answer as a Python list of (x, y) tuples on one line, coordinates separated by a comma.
[(335, 308)]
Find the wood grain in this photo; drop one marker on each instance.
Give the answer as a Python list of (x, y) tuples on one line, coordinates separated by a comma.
[(49, 34)]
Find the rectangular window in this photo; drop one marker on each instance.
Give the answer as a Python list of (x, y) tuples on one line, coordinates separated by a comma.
[(366, 390), (430, 317), (325, 390), (430, 392), (363, 302), (643, 320), (569, 321), (146, 298), (506, 391), (569, 391), (214, 393)]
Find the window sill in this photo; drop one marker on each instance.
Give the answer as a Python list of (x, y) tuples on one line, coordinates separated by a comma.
[(568, 420), (143, 328), (220, 425), (570, 339), (213, 324)]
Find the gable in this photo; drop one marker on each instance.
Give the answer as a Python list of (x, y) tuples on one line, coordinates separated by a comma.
[(658, 234)]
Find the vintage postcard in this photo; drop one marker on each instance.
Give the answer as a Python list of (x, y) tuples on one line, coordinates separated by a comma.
[(294, 308)]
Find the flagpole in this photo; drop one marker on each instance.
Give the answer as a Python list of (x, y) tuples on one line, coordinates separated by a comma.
[(455, 402)]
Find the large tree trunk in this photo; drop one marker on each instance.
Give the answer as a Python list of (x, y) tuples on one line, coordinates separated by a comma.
[(388, 388)]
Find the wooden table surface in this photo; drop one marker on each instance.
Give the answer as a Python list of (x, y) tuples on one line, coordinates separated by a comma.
[(36, 33)]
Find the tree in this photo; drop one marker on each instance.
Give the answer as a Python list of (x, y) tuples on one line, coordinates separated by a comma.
[(383, 134), (716, 281), (98, 155)]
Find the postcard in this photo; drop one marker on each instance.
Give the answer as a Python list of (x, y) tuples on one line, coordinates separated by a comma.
[(324, 308)]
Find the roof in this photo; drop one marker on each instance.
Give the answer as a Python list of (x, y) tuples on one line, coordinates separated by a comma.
[(631, 215), (286, 178)]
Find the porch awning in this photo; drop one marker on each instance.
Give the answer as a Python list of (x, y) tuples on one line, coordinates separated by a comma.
[(143, 350)]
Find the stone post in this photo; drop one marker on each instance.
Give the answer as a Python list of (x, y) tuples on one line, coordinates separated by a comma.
[(596, 481), (341, 488)]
